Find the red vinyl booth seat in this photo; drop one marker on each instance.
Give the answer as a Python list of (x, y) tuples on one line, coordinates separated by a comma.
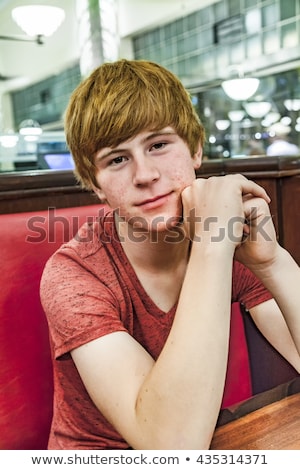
[(27, 241)]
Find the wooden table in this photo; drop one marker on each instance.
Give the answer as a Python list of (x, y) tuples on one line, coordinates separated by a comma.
[(274, 427)]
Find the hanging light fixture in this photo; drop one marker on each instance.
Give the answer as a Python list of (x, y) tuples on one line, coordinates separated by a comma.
[(257, 109), (236, 115), (38, 20), (222, 124), (29, 127), (292, 105), (270, 118), (9, 139), (240, 89)]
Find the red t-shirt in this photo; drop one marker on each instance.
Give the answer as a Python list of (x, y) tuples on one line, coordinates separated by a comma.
[(88, 290)]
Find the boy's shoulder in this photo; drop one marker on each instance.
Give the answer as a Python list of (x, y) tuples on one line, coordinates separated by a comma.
[(91, 236)]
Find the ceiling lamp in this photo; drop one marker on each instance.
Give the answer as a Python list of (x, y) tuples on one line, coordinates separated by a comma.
[(279, 129), (222, 124), (257, 109), (236, 115), (9, 139), (240, 89), (286, 120), (270, 118), (38, 20), (29, 127), (246, 123), (292, 105)]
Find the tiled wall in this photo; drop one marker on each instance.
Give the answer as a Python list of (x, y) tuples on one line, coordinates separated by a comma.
[(45, 101), (205, 44)]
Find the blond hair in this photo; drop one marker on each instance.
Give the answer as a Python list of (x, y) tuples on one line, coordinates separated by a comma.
[(119, 100)]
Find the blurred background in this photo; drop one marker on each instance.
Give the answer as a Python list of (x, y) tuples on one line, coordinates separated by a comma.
[(206, 43)]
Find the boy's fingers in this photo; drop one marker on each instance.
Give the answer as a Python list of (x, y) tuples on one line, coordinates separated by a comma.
[(250, 188)]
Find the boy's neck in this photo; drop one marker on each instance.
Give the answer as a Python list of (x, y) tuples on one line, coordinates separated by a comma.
[(153, 250)]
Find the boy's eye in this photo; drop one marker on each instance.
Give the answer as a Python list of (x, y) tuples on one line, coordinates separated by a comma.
[(158, 145), (117, 160)]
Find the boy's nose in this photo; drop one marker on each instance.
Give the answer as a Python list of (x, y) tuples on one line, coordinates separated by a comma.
[(146, 171)]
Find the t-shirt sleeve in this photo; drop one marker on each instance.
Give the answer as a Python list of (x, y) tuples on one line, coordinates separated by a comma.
[(247, 289), (78, 306)]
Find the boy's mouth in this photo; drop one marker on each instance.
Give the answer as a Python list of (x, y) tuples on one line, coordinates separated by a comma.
[(155, 201)]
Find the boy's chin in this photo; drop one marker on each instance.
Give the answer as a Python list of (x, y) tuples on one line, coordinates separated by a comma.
[(163, 224), (159, 223)]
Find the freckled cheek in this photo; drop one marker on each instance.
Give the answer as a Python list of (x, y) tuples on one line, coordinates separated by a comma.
[(183, 178), (116, 195), (113, 189)]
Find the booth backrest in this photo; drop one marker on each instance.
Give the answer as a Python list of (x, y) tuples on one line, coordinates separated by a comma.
[(27, 241)]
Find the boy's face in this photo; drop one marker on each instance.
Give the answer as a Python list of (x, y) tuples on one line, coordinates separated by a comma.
[(143, 177)]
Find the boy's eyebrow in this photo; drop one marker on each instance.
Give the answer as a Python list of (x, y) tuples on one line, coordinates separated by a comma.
[(114, 151), (158, 134), (109, 153)]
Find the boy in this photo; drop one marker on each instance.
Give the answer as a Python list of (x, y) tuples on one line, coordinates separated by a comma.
[(138, 304)]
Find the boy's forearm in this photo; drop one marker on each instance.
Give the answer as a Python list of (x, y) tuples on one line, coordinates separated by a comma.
[(282, 279), (185, 387)]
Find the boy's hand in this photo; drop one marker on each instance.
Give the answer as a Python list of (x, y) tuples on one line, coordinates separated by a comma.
[(259, 246), (215, 210)]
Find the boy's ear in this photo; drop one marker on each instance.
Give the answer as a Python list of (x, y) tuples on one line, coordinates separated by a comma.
[(197, 157), (99, 193)]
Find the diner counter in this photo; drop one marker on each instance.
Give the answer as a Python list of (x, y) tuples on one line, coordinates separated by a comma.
[(275, 426)]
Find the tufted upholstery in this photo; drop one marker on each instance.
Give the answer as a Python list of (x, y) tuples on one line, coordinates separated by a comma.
[(27, 241)]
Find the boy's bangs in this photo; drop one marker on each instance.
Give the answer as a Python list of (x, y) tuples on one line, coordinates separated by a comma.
[(140, 112)]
